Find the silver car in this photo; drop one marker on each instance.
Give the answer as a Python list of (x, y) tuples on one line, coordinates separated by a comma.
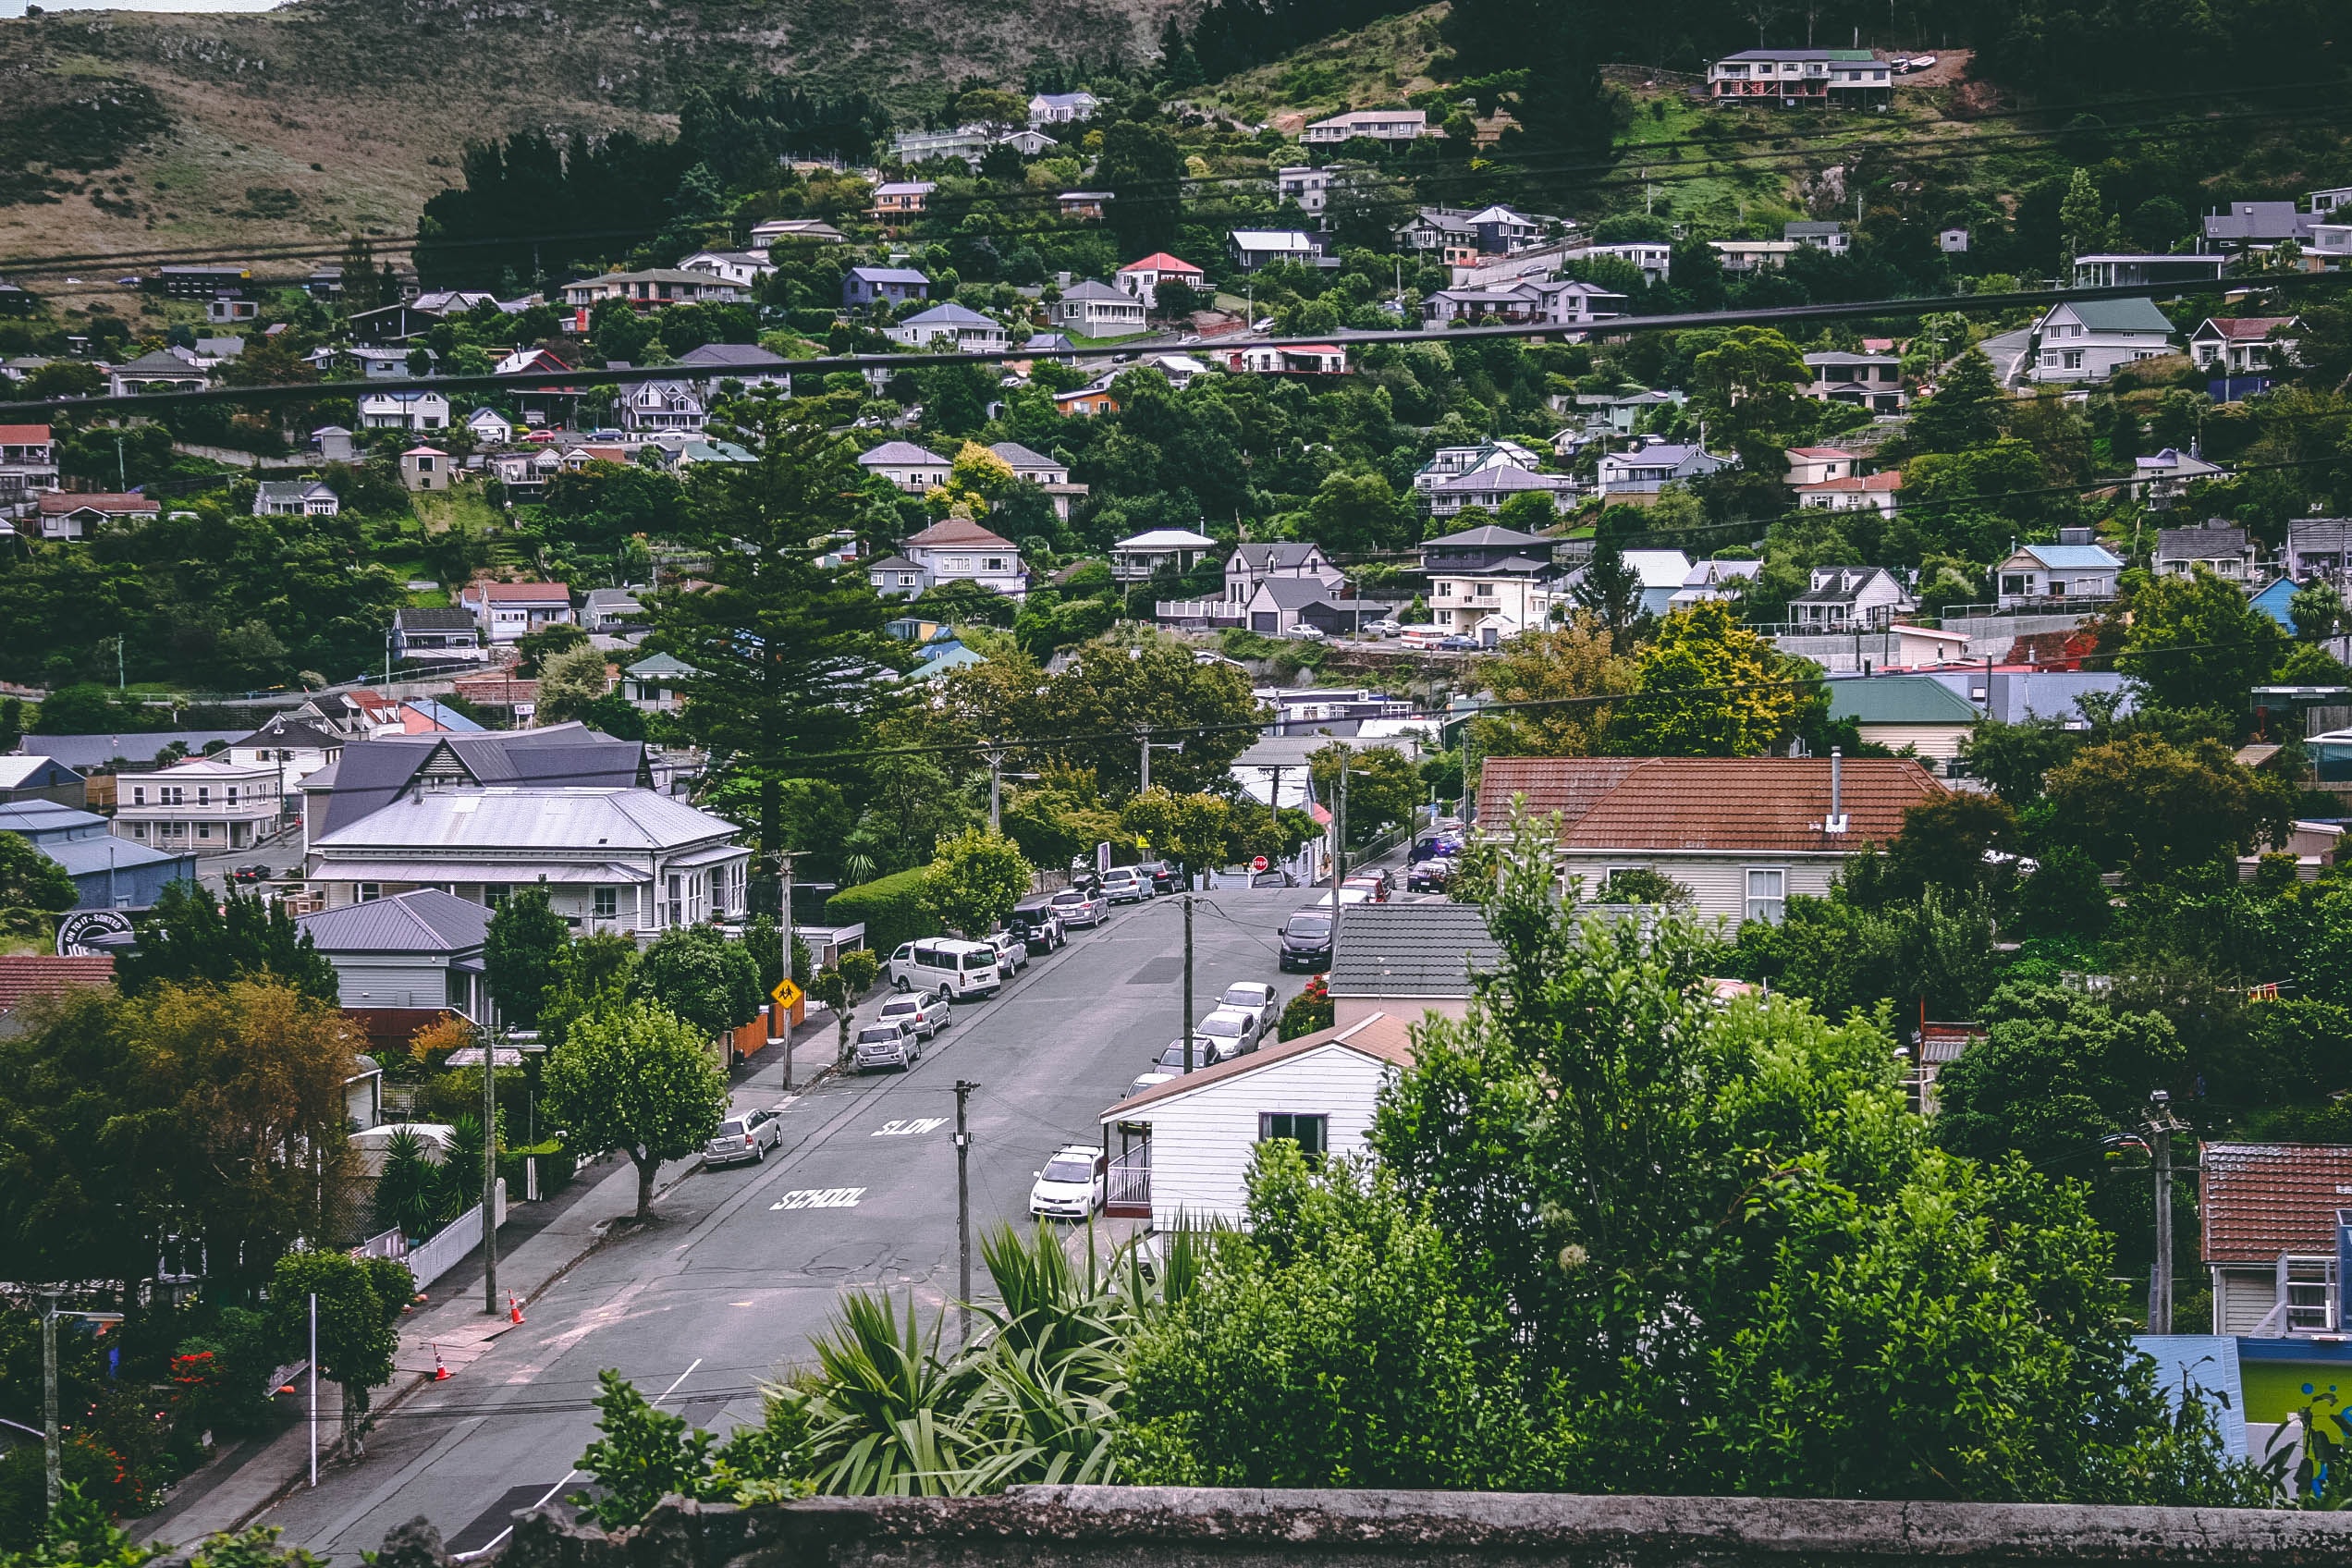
[(1012, 952), (886, 1045), (1077, 907), (1126, 885), (1229, 1032), (748, 1136), (920, 1016)]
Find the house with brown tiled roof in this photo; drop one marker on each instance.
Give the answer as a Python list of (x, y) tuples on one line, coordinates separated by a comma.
[(957, 549), (1744, 834), (24, 976), (2269, 1217)]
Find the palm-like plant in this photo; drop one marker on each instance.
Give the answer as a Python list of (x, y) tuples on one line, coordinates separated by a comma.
[(884, 1415), (408, 1193)]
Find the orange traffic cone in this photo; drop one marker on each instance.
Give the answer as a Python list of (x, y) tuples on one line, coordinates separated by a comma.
[(440, 1373), (514, 1308)]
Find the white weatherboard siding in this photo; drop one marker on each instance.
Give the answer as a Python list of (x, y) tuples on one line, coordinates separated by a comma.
[(1202, 1142), (1717, 880), (1939, 742), (2242, 1298)]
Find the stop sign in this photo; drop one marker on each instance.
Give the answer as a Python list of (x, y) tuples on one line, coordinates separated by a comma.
[(1258, 865)]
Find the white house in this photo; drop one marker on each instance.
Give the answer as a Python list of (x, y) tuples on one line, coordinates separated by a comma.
[(403, 410), (1180, 1151), (1047, 474), (1305, 186), (1137, 556), (490, 427), (1143, 278), (1452, 462), (742, 268), (206, 806), (2162, 479), (506, 611), (950, 327), (906, 465), (1844, 599), (1381, 125), (2072, 569), (1754, 255), (1834, 78), (2244, 345), (1557, 301), (1854, 493), (2222, 548), (295, 497), (662, 408), (652, 684), (1096, 310), (959, 550), (1866, 381), (1829, 236), (2086, 340), (1063, 108), (77, 514), (1254, 247), (1491, 486), (1251, 564), (295, 749)]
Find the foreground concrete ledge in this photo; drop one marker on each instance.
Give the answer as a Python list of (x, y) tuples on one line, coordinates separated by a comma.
[(1146, 1528)]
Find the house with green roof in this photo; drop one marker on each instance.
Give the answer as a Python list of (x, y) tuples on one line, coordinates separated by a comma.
[(1899, 712), (2077, 341)]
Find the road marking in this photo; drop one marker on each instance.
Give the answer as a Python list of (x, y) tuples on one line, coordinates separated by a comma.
[(497, 1540), (820, 1197), (907, 1126)]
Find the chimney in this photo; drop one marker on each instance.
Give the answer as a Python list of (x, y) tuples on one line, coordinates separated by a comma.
[(1836, 822)]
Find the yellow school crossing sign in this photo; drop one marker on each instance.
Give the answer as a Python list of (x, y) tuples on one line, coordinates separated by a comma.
[(786, 995)]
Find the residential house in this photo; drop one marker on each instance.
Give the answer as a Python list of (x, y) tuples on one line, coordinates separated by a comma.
[(1094, 397), (2271, 1223), (506, 612), (1744, 834), (1096, 310), (1615, 414), (2255, 226), (710, 364), (1829, 236), (295, 748), (539, 405), (742, 268), (2160, 479), (653, 288), (335, 444), (662, 408), (427, 468), (200, 282), (941, 655), (1711, 580), (28, 465), (1654, 259), (356, 713), (1490, 487), (1379, 125), (1660, 573), (1063, 108), (653, 684), (1085, 206), (1854, 493), (622, 859), (950, 327), (1753, 255), (205, 804), (895, 577), (959, 550), (1818, 465), (1307, 187), (402, 321), (864, 287), (899, 199), (490, 428), (108, 872), (420, 952), (912, 468), (231, 310), (1557, 301), (162, 370), (1274, 606), (2318, 547), (2086, 341), (435, 634), (78, 514), (1450, 462), (1251, 249), (1834, 78), (404, 410), (405, 763), (2245, 344), (1288, 359), (1251, 564), (971, 141), (612, 612), (1048, 474), (769, 232), (1916, 713), (1866, 381), (2131, 270), (1141, 556), (31, 777), (1491, 582), (2222, 548), (1143, 278), (2074, 568), (1408, 959), (1050, 345), (295, 497), (1463, 234), (1846, 598), (25, 977), (1635, 477), (1180, 1153)]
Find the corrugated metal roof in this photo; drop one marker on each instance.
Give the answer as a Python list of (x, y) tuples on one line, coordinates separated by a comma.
[(1900, 699), (2072, 557), (2260, 1200), (1383, 1036), (15, 771), (508, 818), (1706, 804), (426, 921), (1410, 950), (93, 856)]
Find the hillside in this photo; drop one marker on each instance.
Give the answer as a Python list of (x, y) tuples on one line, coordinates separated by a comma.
[(329, 115)]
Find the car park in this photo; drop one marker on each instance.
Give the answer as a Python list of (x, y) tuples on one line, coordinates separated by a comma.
[(886, 1045), (1171, 1055), (1126, 885), (1072, 1184), (1039, 926), (1229, 1032), (748, 1136), (1012, 952), (1077, 906), (1430, 875), (946, 967), (1166, 876), (920, 1016), (1306, 940)]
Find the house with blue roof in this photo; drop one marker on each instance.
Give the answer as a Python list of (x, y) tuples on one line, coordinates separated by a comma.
[(2073, 569), (2273, 599), (107, 872)]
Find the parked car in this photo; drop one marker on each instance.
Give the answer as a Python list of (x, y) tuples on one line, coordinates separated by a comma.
[(1306, 632), (1146, 1081), (1126, 885), (1166, 876), (1229, 1032), (1012, 952), (257, 872), (1347, 896), (920, 1016), (1458, 644), (1038, 925), (1250, 995), (945, 968), (1377, 885), (1430, 875), (1306, 940), (1072, 1184), (1446, 844), (1171, 1055), (748, 1136), (886, 1045), (1076, 906), (1382, 628)]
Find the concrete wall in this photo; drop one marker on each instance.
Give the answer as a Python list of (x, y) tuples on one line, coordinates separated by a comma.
[(1155, 1527)]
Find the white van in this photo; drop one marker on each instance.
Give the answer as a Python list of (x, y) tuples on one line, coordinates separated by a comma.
[(1422, 636), (946, 967)]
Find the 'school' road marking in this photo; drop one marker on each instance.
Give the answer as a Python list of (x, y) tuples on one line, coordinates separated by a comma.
[(903, 1127), (819, 1197)]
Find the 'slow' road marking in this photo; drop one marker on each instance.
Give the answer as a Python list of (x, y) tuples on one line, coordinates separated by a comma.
[(911, 1124), (819, 1197)]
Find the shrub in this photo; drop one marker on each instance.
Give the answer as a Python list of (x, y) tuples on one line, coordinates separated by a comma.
[(891, 907)]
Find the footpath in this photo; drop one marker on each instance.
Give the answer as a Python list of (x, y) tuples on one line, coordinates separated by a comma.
[(241, 1482)]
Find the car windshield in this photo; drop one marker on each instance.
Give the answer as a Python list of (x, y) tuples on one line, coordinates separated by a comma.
[(899, 1005), (1315, 926), (1222, 1025), (1244, 995), (877, 1032), (1069, 1167)]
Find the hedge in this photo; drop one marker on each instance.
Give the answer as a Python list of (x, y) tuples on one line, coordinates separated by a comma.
[(891, 908)]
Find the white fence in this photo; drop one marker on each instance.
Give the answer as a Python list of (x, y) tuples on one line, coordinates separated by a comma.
[(454, 1244)]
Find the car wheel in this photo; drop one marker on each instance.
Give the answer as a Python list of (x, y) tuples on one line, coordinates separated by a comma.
[(759, 1154), (898, 983)]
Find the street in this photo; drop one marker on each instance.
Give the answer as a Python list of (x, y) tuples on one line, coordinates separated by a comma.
[(748, 1262)]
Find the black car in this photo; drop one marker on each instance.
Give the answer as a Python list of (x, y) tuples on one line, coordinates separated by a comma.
[(1167, 877), (1306, 940), (1430, 875), (253, 873), (1037, 925)]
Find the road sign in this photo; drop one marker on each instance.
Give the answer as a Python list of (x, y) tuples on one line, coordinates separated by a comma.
[(786, 994), (1258, 865)]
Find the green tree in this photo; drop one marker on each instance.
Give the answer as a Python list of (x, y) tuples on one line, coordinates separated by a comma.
[(2142, 804), (572, 684), (1352, 513), (1752, 385), (2317, 609), (12, 723), (521, 952), (784, 647), (637, 1079), (2058, 1071), (1706, 686), (188, 940), (974, 881), (840, 985), (360, 1302), (1382, 787), (2016, 758), (1196, 830), (1144, 169), (2196, 642), (1563, 669), (699, 977), (1963, 414), (1610, 590), (540, 649), (1942, 844), (641, 1454), (29, 879), (2082, 217)]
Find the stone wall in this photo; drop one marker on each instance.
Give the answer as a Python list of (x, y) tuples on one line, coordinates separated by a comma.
[(1149, 1527)]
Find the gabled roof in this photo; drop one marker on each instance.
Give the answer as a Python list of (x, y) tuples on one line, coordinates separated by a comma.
[(520, 593), (949, 314), (2072, 557), (426, 921), (155, 361), (2199, 544), (15, 770), (731, 356), (37, 818), (506, 818), (2243, 329), (433, 618), (1166, 539), (1021, 457), (1160, 260), (370, 776), (2117, 315), (282, 731), (888, 274), (290, 489), (661, 666), (2260, 1200), (64, 503), (1090, 289), (1856, 485), (1504, 476), (1275, 554), (949, 532), (899, 453), (1900, 699), (1410, 950), (1292, 593), (1490, 534), (1706, 804), (1382, 1037), (26, 975)]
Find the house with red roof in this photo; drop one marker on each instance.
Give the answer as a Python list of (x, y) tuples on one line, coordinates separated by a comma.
[(2269, 1216), (28, 465), (78, 514), (1854, 493), (2245, 344), (1143, 278), (957, 549)]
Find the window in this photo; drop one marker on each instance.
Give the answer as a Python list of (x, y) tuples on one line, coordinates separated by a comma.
[(138, 794), (1311, 1134), (493, 894), (607, 903), (371, 891), (204, 794), (170, 794), (2071, 359), (1767, 894)]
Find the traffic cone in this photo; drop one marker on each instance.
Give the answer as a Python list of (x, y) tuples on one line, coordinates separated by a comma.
[(440, 1373), (514, 1308)]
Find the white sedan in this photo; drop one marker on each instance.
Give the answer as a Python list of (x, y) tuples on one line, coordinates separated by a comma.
[(1072, 1184)]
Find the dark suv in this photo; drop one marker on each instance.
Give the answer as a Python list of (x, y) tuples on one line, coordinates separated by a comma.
[(1037, 925), (1167, 877), (1306, 940)]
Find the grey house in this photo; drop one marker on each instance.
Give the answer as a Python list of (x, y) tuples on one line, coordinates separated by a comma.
[(1407, 959), (864, 287), (420, 949), (107, 872), (41, 779)]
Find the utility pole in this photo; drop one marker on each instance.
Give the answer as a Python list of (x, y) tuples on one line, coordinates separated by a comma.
[(784, 1022), (1143, 771), (1339, 853), (51, 1451), (963, 1212), (2162, 1125), (996, 789), (315, 1391), (489, 1176), (1188, 983)]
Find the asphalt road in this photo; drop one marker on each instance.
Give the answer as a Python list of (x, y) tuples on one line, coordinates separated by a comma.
[(748, 1262)]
